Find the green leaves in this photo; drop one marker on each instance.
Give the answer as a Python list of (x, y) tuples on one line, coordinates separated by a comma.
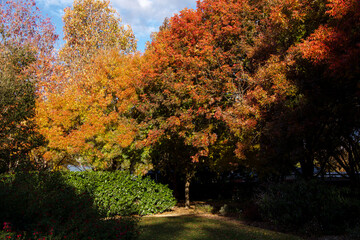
[(17, 104), (120, 193), (311, 206), (39, 204)]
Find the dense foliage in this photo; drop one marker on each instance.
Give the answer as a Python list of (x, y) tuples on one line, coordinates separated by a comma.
[(26, 45), (86, 119), (259, 80), (91, 25), (84, 109), (272, 85), (17, 104), (120, 193), (314, 207), (36, 205)]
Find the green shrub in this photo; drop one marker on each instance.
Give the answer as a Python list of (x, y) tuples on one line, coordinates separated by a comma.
[(120, 193), (312, 206), (354, 232), (42, 205), (251, 212), (204, 208)]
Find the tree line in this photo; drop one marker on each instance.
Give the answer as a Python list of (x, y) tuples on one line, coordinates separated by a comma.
[(272, 85)]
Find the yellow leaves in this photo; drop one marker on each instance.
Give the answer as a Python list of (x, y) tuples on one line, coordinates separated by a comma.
[(272, 77), (284, 11), (85, 115), (92, 25)]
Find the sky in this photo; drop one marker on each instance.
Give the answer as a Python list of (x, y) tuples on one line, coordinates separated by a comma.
[(143, 16)]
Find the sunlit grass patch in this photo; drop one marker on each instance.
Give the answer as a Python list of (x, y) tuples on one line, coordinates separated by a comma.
[(191, 228)]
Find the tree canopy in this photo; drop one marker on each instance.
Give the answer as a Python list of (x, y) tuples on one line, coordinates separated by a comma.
[(92, 25), (26, 49), (272, 85)]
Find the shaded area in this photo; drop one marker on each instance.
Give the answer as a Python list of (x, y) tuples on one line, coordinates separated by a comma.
[(41, 204), (197, 228)]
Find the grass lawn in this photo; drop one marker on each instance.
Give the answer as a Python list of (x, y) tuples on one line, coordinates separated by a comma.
[(198, 228)]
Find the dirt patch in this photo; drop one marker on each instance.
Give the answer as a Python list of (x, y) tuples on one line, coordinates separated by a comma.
[(179, 211), (193, 211)]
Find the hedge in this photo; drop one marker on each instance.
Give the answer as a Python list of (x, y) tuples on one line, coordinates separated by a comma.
[(44, 206), (120, 193), (313, 206)]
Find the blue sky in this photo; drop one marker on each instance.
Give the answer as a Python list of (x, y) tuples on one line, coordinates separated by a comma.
[(144, 16)]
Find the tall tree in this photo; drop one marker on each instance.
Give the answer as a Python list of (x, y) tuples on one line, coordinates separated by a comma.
[(283, 140), (83, 111), (334, 49), (92, 25), (196, 73), (17, 102), (26, 45), (311, 47), (85, 118), (240, 66)]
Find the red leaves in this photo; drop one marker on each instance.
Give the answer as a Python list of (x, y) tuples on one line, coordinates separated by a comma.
[(336, 43), (24, 25), (196, 62), (317, 46), (340, 8), (153, 136)]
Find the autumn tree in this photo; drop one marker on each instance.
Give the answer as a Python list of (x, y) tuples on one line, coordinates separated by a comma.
[(196, 73), (85, 119), (304, 49), (243, 68), (333, 49), (281, 139), (92, 25), (26, 45), (83, 111)]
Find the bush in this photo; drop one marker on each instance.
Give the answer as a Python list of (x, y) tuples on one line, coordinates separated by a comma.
[(120, 193), (204, 208), (312, 206), (42, 205), (251, 212), (354, 233)]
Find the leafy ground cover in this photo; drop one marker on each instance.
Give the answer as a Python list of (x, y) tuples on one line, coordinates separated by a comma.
[(198, 228)]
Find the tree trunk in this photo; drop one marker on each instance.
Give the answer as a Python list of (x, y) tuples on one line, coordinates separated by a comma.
[(307, 167), (175, 185), (307, 162), (187, 190)]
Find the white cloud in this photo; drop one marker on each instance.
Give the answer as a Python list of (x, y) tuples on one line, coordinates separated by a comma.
[(145, 3), (145, 16)]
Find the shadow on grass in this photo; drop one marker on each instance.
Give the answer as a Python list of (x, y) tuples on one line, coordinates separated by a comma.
[(198, 228), (42, 204)]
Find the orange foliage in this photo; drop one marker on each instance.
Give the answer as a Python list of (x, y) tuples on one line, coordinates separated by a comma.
[(86, 116), (196, 74), (336, 43)]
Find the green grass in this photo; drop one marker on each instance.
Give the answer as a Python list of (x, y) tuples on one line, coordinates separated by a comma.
[(197, 228)]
